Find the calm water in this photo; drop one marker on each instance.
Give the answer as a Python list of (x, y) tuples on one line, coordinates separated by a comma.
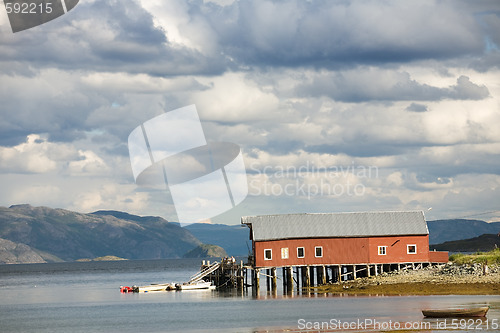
[(85, 297)]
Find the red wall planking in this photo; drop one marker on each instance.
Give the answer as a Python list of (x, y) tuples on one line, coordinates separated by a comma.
[(362, 250)]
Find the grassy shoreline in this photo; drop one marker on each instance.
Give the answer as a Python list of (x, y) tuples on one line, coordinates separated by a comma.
[(491, 257)]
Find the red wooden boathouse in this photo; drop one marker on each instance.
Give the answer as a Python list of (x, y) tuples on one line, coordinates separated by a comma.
[(365, 238)]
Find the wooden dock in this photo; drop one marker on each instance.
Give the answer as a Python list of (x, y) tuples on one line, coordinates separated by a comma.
[(231, 274)]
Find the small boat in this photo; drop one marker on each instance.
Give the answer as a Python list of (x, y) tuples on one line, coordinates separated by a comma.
[(196, 285), (447, 313), (157, 287), (127, 289)]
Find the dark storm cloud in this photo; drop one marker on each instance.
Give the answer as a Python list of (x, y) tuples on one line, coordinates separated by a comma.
[(121, 36), (105, 36), (415, 107), (363, 148), (387, 86), (465, 89), (48, 104), (328, 33)]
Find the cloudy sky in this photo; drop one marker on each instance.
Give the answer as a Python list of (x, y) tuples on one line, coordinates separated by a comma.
[(337, 106)]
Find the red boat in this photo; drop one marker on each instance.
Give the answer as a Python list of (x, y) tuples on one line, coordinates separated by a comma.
[(126, 289)]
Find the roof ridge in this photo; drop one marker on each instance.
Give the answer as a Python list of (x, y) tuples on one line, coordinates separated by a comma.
[(340, 213), (355, 224)]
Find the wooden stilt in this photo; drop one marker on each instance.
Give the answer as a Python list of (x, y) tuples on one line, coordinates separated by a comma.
[(289, 279), (311, 275), (274, 279), (257, 280), (241, 280), (284, 278), (308, 276), (297, 274)]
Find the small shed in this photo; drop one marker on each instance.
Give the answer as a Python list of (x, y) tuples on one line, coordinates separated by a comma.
[(362, 238)]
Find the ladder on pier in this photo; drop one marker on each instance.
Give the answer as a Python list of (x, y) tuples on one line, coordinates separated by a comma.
[(207, 270)]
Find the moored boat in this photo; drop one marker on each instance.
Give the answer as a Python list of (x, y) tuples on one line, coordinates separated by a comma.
[(196, 285), (157, 287), (448, 313), (127, 289)]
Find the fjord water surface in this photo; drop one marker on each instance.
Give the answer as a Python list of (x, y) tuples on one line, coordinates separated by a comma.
[(85, 297)]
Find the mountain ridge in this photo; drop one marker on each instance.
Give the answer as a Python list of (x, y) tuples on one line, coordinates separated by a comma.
[(70, 235), (441, 231), (59, 234), (482, 243)]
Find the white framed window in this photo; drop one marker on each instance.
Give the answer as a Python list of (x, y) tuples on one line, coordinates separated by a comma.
[(382, 250), (284, 253), (411, 249), (318, 251), (268, 254), (301, 252)]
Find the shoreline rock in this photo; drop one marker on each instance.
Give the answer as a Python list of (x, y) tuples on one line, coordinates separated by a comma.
[(445, 279)]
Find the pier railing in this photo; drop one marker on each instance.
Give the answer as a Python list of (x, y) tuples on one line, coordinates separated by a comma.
[(204, 272)]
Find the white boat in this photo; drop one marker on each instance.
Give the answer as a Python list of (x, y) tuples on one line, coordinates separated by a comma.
[(157, 287), (195, 286)]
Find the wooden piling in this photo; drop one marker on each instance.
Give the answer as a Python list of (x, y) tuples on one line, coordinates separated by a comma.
[(289, 279), (257, 279), (297, 274), (241, 279), (311, 275), (284, 278), (308, 276), (274, 279)]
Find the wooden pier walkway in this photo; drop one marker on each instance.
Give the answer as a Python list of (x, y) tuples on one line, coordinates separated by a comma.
[(231, 274)]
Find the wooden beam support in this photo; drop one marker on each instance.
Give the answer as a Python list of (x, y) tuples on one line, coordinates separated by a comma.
[(273, 279)]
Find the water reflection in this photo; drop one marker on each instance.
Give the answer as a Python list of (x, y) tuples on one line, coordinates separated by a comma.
[(61, 299)]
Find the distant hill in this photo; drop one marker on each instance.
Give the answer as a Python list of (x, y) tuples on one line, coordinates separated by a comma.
[(206, 251), (70, 235), (441, 231), (105, 258), (482, 243), (58, 234), (233, 238), (17, 253)]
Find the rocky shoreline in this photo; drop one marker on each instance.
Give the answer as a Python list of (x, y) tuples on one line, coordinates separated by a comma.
[(448, 279)]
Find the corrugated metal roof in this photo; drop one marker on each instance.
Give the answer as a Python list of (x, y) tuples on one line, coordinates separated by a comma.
[(270, 227)]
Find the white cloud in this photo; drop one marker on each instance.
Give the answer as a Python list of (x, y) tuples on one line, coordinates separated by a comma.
[(294, 83), (110, 196), (28, 157), (233, 98), (87, 164)]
